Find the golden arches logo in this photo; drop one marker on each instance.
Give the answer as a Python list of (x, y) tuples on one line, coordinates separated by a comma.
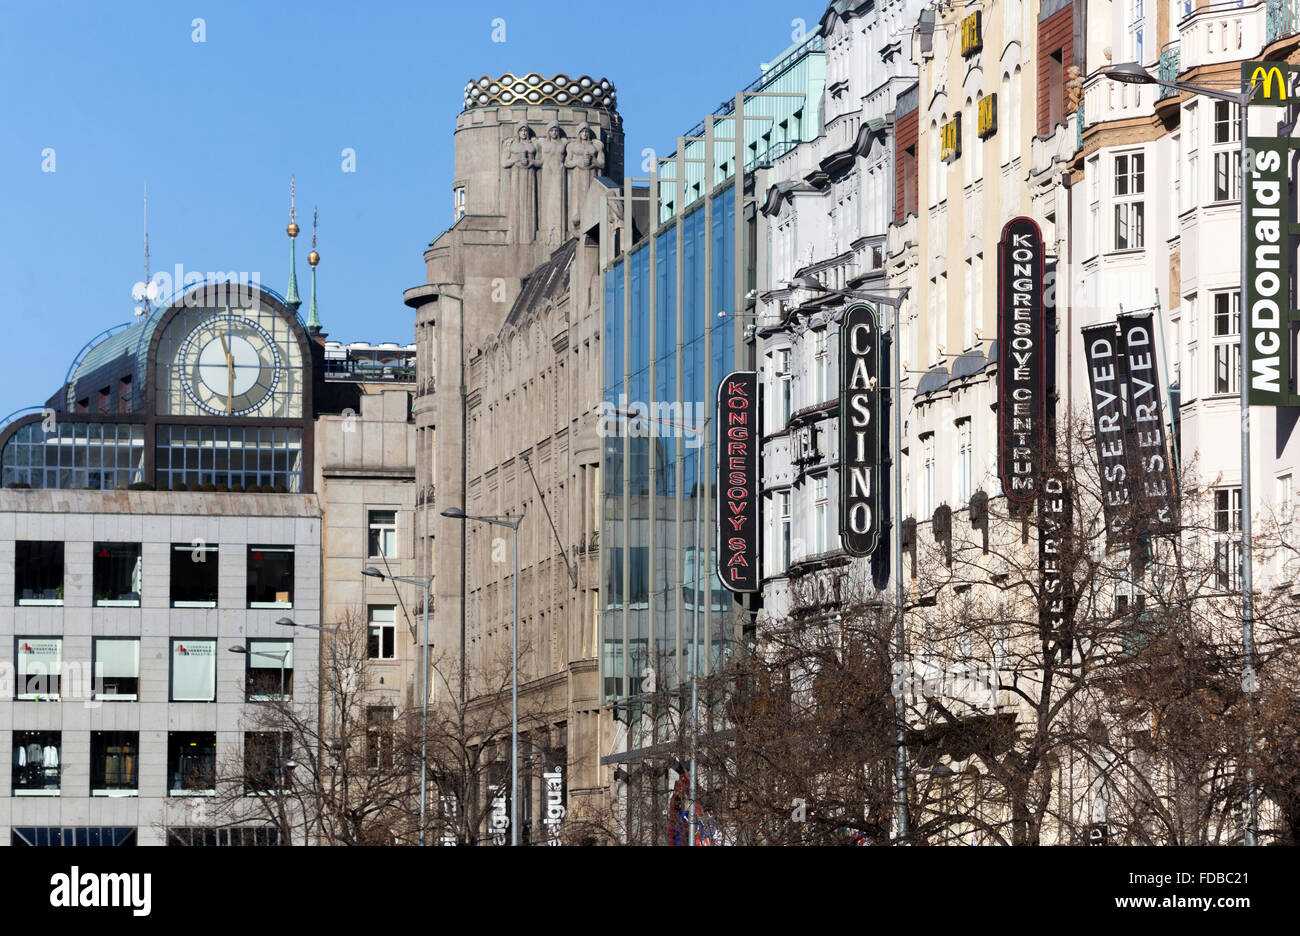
[(1267, 75)]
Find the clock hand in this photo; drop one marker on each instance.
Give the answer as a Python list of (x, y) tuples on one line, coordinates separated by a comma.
[(230, 373)]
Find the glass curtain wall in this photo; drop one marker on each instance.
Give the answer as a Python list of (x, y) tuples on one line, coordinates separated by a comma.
[(670, 336)]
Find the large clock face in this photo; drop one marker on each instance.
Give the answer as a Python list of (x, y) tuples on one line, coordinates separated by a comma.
[(229, 364)]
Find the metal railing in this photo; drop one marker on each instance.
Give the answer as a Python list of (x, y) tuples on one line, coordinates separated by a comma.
[(1168, 69), (371, 371), (1280, 19)]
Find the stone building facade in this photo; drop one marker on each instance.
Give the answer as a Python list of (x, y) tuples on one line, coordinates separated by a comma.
[(508, 341)]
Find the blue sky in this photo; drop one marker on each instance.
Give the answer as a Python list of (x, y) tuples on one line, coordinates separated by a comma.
[(124, 96)]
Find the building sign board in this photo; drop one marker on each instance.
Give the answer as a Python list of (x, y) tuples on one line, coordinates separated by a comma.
[(1153, 485), (988, 116), (1105, 383), (950, 140), (1022, 360), (1268, 311), (860, 430), (972, 37), (739, 441)]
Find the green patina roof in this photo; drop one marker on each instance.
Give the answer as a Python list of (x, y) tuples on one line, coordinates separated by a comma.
[(130, 342)]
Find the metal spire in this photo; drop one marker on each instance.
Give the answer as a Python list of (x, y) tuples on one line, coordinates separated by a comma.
[(291, 294), (313, 258)]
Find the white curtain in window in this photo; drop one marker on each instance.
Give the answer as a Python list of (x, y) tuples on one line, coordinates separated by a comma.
[(194, 670), (117, 658), (39, 656), (265, 654)]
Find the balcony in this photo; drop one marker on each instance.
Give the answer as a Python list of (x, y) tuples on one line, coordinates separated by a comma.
[(1222, 32), (1168, 69), (1281, 18)]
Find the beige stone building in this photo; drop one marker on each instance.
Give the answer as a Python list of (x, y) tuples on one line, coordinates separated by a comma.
[(507, 332)]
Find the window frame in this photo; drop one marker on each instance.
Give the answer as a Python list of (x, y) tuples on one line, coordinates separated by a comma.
[(100, 680), (34, 569), (1130, 205), (259, 553)]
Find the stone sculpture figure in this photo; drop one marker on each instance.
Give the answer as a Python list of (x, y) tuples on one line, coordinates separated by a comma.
[(520, 155), (553, 199), (583, 158)]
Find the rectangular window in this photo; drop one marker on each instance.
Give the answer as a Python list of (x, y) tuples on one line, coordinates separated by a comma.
[(265, 753), (821, 508), (191, 763), (38, 661), (1193, 387), (927, 476), (116, 574), (1176, 203), (1227, 342), (1130, 188), (783, 377), (383, 534), (194, 575), (965, 462), (269, 662), (383, 632), (783, 512), (114, 763), (117, 668), (38, 573), (270, 576), (1094, 205), (194, 669), (1136, 31), (37, 759), (380, 752), (821, 366), (1227, 152), (1284, 494), (1227, 547)]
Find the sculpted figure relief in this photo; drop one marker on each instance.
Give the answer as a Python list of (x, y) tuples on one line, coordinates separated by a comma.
[(521, 156), (553, 197), (584, 158)]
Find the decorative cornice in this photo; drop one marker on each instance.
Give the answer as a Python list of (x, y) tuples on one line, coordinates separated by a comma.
[(533, 88)]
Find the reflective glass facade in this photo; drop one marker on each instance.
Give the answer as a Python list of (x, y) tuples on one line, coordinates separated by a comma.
[(666, 348), (66, 455)]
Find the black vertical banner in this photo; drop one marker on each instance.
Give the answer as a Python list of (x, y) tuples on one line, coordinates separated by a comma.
[(1153, 480), (1056, 587), (1101, 352), (860, 430), (1022, 361), (739, 440)]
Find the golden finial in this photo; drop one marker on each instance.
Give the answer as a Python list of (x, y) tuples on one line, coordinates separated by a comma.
[(292, 229), (313, 258)]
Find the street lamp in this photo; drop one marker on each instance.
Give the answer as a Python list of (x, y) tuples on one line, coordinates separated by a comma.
[(372, 572), (895, 302), (282, 656), (1134, 73), (455, 513)]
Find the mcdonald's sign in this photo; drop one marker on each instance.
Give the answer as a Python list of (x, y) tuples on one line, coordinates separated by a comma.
[(1267, 81)]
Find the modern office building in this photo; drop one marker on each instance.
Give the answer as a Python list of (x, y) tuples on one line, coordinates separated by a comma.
[(165, 507), (677, 312)]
